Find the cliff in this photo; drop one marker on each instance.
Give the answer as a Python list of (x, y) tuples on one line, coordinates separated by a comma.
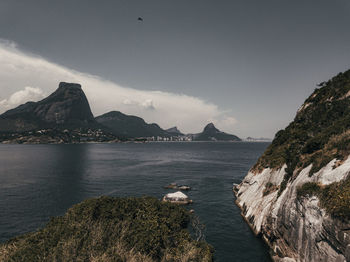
[(67, 106), (297, 196), (211, 133), (63, 117)]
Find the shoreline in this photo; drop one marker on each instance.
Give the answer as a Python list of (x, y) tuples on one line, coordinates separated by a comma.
[(123, 142), (258, 235)]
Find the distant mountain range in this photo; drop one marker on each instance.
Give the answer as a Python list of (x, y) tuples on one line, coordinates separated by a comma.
[(211, 133), (130, 126), (174, 131), (65, 117)]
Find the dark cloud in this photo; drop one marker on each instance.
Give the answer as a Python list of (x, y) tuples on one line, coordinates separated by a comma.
[(259, 59)]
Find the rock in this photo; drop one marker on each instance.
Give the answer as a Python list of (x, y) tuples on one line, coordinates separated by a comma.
[(300, 224), (67, 106), (174, 131)]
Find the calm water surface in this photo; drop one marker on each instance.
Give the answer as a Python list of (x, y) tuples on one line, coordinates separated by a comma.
[(40, 181)]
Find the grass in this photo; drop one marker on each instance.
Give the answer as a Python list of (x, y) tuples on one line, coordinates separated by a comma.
[(334, 198), (309, 189), (269, 188), (112, 229)]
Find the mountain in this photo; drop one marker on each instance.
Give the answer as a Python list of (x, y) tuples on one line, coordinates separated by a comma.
[(174, 131), (66, 107), (63, 117), (211, 133), (297, 195), (129, 126)]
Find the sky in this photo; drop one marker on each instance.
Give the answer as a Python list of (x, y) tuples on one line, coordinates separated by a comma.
[(245, 65)]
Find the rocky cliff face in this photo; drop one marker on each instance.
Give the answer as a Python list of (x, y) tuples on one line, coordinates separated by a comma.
[(297, 196), (67, 106)]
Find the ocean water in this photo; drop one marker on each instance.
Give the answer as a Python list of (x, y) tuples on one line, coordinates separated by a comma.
[(40, 181)]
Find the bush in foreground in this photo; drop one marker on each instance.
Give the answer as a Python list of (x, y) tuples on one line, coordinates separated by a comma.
[(112, 229)]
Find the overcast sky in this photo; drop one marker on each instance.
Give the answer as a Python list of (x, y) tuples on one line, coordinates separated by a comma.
[(245, 65)]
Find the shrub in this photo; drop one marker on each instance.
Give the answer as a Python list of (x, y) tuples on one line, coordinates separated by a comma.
[(269, 188), (334, 198), (318, 134), (112, 229), (309, 189)]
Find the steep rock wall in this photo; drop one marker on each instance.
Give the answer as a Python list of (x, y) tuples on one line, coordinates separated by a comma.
[(296, 228)]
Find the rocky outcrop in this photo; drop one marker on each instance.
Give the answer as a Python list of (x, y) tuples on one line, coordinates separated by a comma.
[(174, 131), (211, 133), (297, 196), (67, 106), (295, 227)]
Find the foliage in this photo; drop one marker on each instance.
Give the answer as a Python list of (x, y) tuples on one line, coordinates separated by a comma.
[(335, 198), (269, 188), (112, 229), (318, 134), (308, 189)]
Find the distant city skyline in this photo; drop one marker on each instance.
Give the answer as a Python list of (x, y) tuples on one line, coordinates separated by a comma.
[(247, 66)]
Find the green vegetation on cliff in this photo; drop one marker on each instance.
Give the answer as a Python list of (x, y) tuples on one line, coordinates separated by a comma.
[(112, 229), (318, 134), (335, 198)]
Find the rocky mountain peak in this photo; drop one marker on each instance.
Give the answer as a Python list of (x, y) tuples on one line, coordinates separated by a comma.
[(65, 85), (174, 130), (211, 133), (210, 128), (68, 105)]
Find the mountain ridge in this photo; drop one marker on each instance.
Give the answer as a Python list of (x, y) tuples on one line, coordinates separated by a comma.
[(129, 125), (211, 133), (174, 131)]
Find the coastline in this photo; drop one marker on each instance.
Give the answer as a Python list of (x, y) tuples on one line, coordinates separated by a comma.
[(7, 142), (257, 234)]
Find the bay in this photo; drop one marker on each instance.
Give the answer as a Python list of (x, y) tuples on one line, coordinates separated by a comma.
[(41, 181)]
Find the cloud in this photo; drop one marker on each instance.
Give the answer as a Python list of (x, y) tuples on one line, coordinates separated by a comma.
[(224, 122), (26, 76), (27, 94), (148, 104)]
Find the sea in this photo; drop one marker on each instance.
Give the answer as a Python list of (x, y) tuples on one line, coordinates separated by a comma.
[(41, 181)]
